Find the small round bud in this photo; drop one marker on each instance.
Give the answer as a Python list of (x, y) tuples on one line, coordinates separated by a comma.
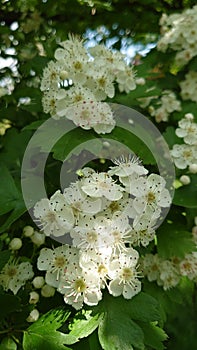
[(15, 244), (63, 75), (140, 81), (47, 291), (33, 316), (33, 297), (38, 238), (193, 168), (38, 282), (185, 180), (28, 231), (189, 116)]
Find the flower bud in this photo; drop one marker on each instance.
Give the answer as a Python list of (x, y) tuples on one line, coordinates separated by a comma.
[(28, 231), (185, 180), (38, 282), (193, 168), (33, 316), (47, 291), (38, 238), (15, 244), (33, 297), (189, 116)]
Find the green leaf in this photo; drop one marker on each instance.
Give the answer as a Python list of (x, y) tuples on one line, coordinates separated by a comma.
[(83, 324), (172, 241), (8, 344), (71, 140), (8, 303), (117, 330), (43, 334), (143, 307), (170, 136), (11, 200), (186, 196), (4, 257), (153, 335)]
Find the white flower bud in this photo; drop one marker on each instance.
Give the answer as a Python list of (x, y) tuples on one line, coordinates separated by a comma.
[(193, 168), (185, 179), (140, 81), (28, 231), (33, 297), (38, 282), (64, 75), (194, 230), (47, 291), (33, 316), (189, 116), (38, 238), (15, 244)]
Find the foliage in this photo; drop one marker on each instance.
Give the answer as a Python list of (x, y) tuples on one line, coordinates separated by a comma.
[(31, 32)]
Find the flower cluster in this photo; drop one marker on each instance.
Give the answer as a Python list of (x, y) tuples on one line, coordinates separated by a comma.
[(105, 215), (168, 272), (179, 33), (189, 86), (167, 104), (79, 80), (185, 154)]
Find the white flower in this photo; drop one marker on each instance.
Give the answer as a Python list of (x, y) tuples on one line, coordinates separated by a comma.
[(51, 76), (169, 275), (90, 233), (151, 266), (188, 131), (54, 215), (123, 275), (96, 115), (143, 231), (80, 202), (150, 194), (96, 262), (102, 184), (55, 262), (13, 276), (184, 155), (125, 80), (79, 286), (188, 266), (127, 166)]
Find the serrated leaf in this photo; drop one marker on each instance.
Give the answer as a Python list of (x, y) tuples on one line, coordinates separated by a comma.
[(172, 241), (143, 307), (43, 333), (117, 330), (186, 196), (83, 325), (153, 335)]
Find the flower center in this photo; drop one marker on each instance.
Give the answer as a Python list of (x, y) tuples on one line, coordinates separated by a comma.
[(114, 206), (92, 236), (127, 274), (59, 261), (80, 285), (150, 197), (102, 270), (12, 271)]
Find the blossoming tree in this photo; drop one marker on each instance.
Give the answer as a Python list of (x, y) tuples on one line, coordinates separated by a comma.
[(98, 178)]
